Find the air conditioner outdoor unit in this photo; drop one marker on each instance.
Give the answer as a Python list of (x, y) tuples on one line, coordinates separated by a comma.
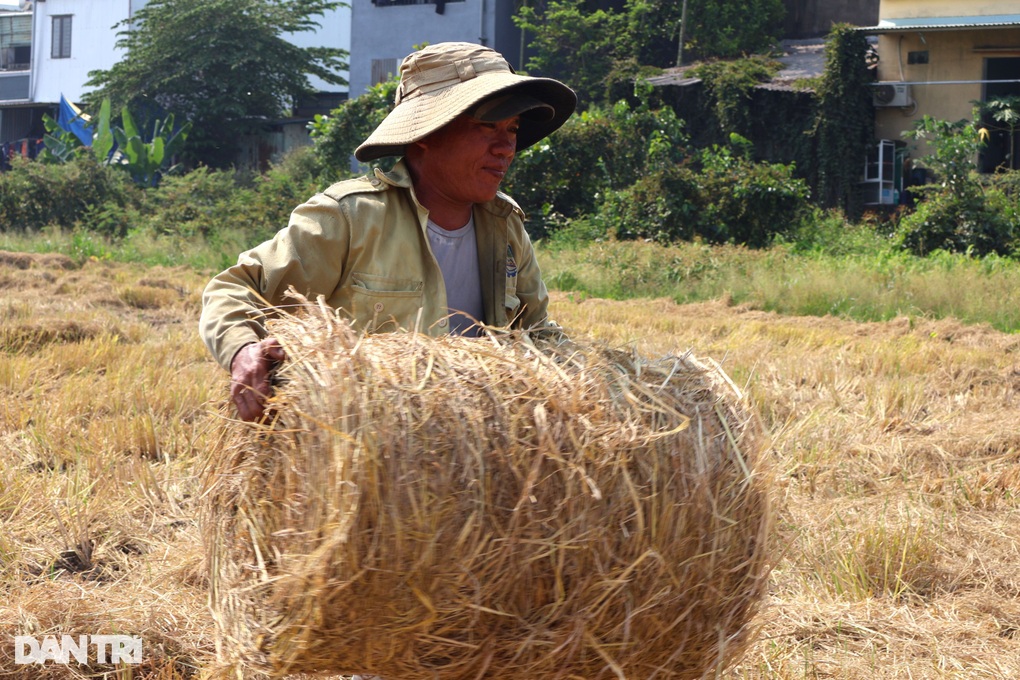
[(891, 94)]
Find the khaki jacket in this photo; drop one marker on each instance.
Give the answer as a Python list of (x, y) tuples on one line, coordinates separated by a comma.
[(362, 245)]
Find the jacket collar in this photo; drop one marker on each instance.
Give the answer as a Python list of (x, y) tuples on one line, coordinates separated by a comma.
[(399, 176)]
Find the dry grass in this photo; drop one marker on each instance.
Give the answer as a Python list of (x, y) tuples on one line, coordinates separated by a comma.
[(103, 420), (897, 448), (464, 508)]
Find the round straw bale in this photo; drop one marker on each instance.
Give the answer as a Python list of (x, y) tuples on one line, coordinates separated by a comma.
[(462, 508)]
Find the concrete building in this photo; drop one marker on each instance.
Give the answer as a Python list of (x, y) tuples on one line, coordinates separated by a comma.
[(48, 48), (937, 57), (383, 32)]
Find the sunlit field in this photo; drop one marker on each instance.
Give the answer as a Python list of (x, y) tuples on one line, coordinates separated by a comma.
[(896, 444)]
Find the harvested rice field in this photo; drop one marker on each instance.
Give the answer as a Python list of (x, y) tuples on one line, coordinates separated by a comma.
[(894, 449)]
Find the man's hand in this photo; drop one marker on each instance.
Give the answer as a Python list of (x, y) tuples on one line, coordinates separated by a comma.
[(249, 377)]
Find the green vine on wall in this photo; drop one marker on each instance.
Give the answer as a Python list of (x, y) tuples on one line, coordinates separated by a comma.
[(728, 86), (845, 123)]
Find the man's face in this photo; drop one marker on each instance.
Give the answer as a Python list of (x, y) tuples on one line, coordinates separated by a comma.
[(465, 161)]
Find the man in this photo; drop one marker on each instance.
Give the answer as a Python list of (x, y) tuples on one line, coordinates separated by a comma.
[(431, 245)]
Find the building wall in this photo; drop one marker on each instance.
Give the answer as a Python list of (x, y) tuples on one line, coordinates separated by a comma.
[(814, 18), (910, 9), (92, 46), (391, 32), (93, 38), (952, 56)]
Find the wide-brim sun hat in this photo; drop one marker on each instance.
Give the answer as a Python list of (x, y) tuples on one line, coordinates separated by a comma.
[(442, 81)]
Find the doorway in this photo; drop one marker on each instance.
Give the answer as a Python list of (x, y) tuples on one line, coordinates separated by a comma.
[(1002, 147)]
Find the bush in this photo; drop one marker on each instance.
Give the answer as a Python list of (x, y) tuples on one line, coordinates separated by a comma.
[(337, 135), (956, 213), (665, 207), (976, 223), (731, 200), (277, 192), (35, 195), (195, 204), (569, 173), (205, 202), (750, 203), (828, 233)]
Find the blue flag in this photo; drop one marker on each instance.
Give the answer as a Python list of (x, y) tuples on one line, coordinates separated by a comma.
[(72, 119)]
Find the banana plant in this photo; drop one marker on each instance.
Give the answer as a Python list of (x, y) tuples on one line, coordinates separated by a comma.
[(102, 136), (59, 145), (147, 161)]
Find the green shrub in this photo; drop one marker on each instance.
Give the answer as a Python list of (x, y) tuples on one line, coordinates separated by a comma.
[(597, 151), (197, 203), (34, 195), (829, 233), (337, 135), (96, 199), (750, 203), (731, 200), (561, 175), (973, 222), (578, 233), (956, 213), (281, 189), (666, 206)]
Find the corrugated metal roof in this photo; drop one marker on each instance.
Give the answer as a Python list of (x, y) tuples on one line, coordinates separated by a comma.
[(677, 79), (801, 59), (943, 23)]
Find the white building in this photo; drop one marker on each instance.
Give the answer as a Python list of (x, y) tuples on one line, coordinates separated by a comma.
[(48, 48), (386, 31)]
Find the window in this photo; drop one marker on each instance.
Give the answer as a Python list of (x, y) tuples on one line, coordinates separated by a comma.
[(61, 48), (383, 70), (390, 3), (1001, 149), (15, 42), (920, 57)]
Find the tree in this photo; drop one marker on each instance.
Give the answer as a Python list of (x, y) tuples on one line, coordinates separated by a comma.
[(721, 28), (573, 44), (223, 65), (592, 45)]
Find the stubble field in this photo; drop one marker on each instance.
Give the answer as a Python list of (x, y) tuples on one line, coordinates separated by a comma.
[(897, 449)]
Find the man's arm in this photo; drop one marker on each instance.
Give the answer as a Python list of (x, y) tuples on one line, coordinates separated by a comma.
[(307, 255), (250, 374)]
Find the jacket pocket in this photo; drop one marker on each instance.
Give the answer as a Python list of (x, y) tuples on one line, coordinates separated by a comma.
[(512, 304), (382, 303)]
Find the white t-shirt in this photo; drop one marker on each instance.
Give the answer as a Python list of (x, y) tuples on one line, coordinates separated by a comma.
[(456, 252)]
